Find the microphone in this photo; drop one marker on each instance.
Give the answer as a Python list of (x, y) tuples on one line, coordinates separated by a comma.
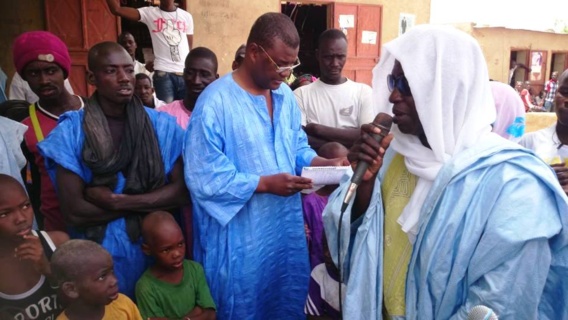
[(481, 313), (384, 122)]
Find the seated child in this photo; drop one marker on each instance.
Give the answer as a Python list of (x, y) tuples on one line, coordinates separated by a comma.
[(85, 275), (173, 288), (25, 290)]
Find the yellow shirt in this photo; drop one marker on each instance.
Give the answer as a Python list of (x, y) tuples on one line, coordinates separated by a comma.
[(396, 187), (122, 308)]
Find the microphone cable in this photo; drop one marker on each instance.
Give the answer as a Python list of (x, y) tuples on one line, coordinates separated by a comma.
[(382, 121), (343, 208)]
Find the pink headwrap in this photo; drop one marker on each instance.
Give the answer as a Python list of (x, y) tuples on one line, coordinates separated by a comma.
[(41, 46), (510, 123)]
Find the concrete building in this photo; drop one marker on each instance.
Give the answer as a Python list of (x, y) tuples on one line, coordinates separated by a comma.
[(367, 23), (221, 25), (543, 52)]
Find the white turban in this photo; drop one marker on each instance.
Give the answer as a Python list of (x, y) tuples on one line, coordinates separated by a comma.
[(448, 77)]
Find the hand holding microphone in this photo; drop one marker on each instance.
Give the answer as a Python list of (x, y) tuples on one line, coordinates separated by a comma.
[(367, 156), (368, 152)]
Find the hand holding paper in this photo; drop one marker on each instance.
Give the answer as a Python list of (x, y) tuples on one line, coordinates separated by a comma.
[(322, 176)]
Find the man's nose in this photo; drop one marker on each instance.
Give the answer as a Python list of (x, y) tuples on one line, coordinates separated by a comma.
[(395, 96), (196, 79), (43, 78), (335, 62), (122, 75)]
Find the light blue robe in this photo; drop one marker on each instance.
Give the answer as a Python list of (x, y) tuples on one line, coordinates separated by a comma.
[(12, 161), (493, 231), (252, 246), (64, 145), (3, 80)]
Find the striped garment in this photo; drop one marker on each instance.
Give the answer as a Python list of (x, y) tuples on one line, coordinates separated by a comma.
[(550, 88)]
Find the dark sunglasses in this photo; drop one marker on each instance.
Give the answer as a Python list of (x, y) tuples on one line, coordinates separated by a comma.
[(400, 83)]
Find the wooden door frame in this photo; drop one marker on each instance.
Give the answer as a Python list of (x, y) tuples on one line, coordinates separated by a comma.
[(361, 59), (358, 35), (552, 52), (379, 33), (518, 49), (331, 13), (527, 75), (84, 18), (329, 17), (78, 51), (355, 61)]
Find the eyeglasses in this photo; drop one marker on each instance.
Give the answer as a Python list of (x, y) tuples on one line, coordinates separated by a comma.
[(278, 68), (400, 83)]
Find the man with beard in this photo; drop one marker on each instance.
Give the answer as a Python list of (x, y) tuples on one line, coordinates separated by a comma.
[(244, 147), (441, 222), (114, 161)]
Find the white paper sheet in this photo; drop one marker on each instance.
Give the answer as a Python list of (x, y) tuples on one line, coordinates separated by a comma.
[(346, 21), (369, 37), (322, 176)]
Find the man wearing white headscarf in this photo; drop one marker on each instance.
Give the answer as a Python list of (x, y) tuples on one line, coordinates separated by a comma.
[(451, 216)]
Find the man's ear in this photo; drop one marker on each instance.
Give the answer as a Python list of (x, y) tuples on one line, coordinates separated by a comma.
[(146, 249), (91, 78), (69, 289), (217, 76), (253, 51)]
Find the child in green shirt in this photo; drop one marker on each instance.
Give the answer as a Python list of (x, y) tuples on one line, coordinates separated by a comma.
[(173, 288)]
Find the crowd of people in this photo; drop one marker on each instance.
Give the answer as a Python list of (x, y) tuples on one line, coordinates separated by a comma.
[(541, 102), (174, 193)]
